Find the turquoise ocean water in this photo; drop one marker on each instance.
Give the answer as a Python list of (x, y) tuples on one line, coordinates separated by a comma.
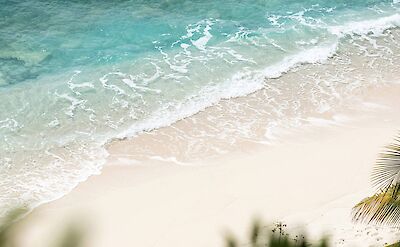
[(76, 74)]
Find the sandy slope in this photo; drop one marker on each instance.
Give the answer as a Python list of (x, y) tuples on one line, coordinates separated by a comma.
[(315, 180), (311, 178)]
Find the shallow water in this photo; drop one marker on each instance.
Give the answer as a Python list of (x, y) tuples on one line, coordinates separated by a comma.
[(76, 74)]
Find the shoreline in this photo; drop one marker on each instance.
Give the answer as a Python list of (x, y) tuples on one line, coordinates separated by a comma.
[(158, 203), (309, 94), (130, 202)]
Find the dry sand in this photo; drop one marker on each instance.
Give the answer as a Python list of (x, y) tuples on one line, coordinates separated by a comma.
[(310, 180), (315, 181)]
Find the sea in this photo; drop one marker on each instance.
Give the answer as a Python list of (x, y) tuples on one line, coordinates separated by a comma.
[(77, 75)]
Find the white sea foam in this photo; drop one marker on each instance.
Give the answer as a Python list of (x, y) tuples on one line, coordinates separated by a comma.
[(244, 83), (10, 124), (240, 84), (105, 82), (375, 27), (74, 103), (202, 41), (54, 123), (130, 82), (312, 55)]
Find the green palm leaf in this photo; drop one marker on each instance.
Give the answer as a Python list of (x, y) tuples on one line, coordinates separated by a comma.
[(383, 207), (386, 173), (380, 208)]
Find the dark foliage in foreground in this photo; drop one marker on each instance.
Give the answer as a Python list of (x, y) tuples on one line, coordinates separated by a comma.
[(260, 236), (266, 237), (394, 245), (9, 232), (7, 226)]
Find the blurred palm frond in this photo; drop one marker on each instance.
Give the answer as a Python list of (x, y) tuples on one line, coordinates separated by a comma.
[(10, 231), (7, 224), (72, 237)]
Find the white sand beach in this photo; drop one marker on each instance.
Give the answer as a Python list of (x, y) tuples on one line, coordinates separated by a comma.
[(310, 180)]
